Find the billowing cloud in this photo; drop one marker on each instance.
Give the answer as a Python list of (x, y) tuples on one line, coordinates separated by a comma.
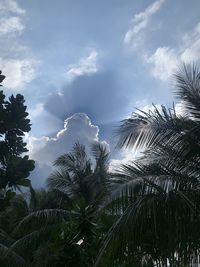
[(165, 60), (140, 22), (44, 150), (86, 66)]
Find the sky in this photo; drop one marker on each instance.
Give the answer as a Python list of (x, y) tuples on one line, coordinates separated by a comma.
[(84, 65)]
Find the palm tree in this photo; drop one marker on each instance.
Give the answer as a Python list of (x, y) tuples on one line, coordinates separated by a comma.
[(78, 177), (15, 243), (62, 225), (82, 185), (158, 200)]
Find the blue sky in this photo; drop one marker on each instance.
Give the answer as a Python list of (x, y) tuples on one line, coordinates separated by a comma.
[(90, 63)]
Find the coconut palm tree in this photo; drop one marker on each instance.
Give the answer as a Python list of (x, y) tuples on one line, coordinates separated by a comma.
[(82, 185), (62, 226), (15, 243), (79, 177), (158, 200)]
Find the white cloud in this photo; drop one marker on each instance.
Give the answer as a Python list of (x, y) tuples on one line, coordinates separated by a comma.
[(15, 60), (180, 109), (11, 6), (76, 128), (35, 112), (44, 150), (18, 72), (126, 156), (140, 22), (165, 60), (191, 50), (150, 108), (11, 25), (35, 144), (86, 66)]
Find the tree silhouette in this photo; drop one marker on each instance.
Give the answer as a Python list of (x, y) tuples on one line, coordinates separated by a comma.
[(158, 201), (15, 167)]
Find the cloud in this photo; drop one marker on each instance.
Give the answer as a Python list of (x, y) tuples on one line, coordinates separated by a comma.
[(191, 50), (15, 60), (126, 156), (11, 6), (99, 95), (85, 66), (180, 109), (165, 60), (18, 72), (45, 150), (11, 25), (37, 111), (140, 22), (150, 108)]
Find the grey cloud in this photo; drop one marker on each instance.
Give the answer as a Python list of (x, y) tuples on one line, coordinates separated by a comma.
[(101, 96)]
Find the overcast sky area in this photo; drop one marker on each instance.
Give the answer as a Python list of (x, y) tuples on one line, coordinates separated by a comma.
[(84, 65)]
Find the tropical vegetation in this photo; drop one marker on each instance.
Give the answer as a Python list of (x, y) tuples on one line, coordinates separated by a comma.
[(143, 213)]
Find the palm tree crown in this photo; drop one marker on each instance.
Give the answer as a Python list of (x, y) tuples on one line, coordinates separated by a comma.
[(159, 199)]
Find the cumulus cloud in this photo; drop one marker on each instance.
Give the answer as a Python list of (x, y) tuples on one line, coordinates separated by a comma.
[(85, 66), (140, 22), (165, 60), (77, 128)]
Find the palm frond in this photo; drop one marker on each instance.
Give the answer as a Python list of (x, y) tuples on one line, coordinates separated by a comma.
[(31, 240), (187, 89), (10, 259), (61, 180), (101, 155), (147, 129), (41, 218)]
